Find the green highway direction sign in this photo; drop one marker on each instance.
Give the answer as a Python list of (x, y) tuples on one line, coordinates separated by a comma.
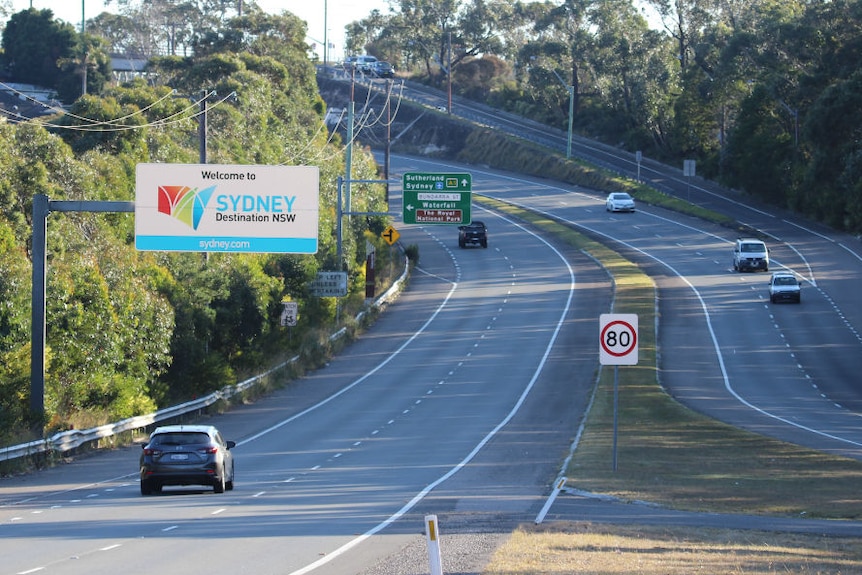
[(436, 198)]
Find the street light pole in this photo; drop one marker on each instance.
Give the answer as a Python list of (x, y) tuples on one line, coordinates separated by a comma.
[(449, 76), (571, 119), (325, 39), (795, 113)]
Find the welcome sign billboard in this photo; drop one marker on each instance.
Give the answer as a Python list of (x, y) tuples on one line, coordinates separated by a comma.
[(227, 208)]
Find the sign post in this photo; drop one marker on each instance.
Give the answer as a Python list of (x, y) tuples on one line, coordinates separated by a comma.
[(688, 170), (390, 235), (432, 537), (289, 312), (618, 345)]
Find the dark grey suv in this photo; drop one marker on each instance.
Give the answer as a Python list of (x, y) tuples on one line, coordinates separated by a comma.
[(187, 455), (474, 233)]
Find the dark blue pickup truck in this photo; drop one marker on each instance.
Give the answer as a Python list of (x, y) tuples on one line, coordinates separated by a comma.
[(474, 233)]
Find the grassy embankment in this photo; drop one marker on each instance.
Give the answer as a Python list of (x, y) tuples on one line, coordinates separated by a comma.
[(672, 456)]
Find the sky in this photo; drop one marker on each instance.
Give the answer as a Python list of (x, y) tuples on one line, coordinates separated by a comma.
[(335, 13)]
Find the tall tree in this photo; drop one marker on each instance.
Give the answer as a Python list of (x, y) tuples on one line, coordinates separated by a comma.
[(634, 74), (172, 27), (14, 330), (556, 59), (430, 22), (685, 21), (87, 71), (33, 43)]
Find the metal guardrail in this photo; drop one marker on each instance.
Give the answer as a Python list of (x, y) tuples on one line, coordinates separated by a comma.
[(66, 441)]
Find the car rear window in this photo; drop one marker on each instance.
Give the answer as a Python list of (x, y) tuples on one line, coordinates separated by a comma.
[(186, 438)]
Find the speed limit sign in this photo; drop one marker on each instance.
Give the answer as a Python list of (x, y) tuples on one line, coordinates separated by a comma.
[(618, 339)]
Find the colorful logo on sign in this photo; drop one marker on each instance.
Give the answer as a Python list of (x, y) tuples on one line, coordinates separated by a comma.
[(184, 203)]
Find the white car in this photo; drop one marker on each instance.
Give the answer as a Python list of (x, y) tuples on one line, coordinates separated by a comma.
[(750, 254), (783, 286), (365, 64), (620, 202)]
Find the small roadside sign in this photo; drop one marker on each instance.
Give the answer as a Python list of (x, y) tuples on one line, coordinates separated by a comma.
[(289, 313), (329, 284), (618, 339), (688, 168), (390, 235)]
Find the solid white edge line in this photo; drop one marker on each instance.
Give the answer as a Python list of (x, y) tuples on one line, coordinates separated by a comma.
[(421, 495)]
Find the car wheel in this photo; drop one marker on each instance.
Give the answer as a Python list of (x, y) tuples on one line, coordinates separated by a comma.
[(220, 484), (146, 487), (229, 484), (484, 243)]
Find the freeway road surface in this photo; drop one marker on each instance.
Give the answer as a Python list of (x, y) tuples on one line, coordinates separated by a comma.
[(463, 398), (466, 389), (780, 369)]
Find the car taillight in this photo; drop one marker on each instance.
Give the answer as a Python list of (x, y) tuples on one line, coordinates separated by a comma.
[(151, 451), (209, 450)]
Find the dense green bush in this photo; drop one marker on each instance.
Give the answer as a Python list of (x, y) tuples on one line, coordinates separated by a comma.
[(128, 331)]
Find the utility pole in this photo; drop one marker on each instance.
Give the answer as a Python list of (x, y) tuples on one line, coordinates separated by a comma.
[(388, 136), (202, 120), (202, 130)]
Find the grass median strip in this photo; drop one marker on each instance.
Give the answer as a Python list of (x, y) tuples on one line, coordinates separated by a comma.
[(673, 456)]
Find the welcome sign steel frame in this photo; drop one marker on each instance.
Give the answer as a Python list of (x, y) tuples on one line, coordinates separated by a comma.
[(42, 208)]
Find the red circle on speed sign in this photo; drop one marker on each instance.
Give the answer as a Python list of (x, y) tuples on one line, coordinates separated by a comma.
[(619, 339)]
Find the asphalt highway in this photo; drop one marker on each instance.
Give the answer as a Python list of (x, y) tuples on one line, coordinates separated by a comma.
[(464, 398), (784, 370), (460, 398)]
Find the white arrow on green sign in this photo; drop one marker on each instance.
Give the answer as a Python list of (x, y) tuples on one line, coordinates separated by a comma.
[(436, 198)]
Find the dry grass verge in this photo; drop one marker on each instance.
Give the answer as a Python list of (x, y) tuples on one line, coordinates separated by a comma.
[(590, 549)]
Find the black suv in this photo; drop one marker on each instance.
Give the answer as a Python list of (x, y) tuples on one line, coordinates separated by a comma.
[(473, 233), (186, 455)]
